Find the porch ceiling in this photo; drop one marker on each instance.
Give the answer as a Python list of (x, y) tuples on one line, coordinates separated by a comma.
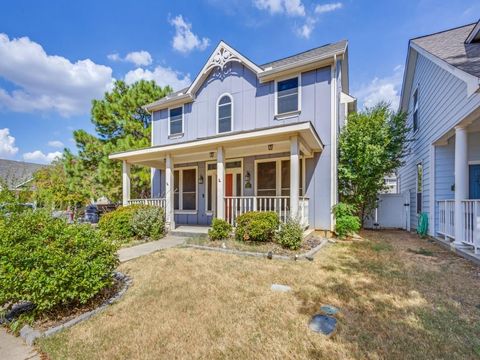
[(237, 144)]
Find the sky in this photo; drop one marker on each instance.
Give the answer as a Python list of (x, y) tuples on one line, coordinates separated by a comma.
[(56, 56)]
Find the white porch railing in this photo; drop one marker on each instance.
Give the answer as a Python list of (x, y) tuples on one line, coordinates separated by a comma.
[(238, 205), (160, 202), (446, 215), (470, 225)]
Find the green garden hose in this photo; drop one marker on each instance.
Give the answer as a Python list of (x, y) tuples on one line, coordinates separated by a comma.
[(422, 227)]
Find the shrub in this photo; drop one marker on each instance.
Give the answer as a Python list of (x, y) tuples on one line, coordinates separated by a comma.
[(220, 230), (257, 226), (290, 234), (117, 225), (347, 222), (50, 263), (148, 222)]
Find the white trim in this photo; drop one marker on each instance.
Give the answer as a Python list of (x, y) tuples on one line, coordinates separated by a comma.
[(432, 209), (245, 136), (474, 162), (474, 33), (472, 82), (183, 120), (299, 96), (231, 112), (180, 190), (333, 141), (278, 173)]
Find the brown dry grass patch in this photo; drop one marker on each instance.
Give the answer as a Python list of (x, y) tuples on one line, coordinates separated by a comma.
[(185, 303)]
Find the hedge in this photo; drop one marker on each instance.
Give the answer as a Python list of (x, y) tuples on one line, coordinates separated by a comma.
[(257, 226)]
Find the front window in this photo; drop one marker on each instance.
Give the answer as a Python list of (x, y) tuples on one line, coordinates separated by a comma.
[(273, 178), (419, 187), (224, 114), (287, 96), (185, 189), (176, 121)]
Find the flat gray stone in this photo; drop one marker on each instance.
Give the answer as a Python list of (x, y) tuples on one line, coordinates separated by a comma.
[(280, 288), (29, 335)]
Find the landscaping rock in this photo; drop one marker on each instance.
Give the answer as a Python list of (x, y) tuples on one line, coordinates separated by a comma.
[(17, 310), (280, 288), (329, 309), (29, 335)]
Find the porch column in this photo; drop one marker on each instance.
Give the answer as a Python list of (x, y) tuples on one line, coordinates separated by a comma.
[(169, 191), (461, 179), (125, 182), (294, 177), (220, 183)]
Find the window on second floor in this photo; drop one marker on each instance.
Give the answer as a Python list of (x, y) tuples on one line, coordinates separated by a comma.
[(175, 124), (415, 110), (224, 113), (288, 96)]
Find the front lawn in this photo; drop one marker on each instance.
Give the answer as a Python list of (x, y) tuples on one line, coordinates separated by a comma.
[(397, 301)]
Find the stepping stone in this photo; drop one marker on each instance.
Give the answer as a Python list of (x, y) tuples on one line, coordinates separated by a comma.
[(323, 324), (280, 288), (329, 309)]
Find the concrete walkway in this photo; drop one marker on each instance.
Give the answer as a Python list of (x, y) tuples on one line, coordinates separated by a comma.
[(14, 348), (150, 247)]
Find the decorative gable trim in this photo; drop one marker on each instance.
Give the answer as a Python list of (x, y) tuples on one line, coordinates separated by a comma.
[(222, 55)]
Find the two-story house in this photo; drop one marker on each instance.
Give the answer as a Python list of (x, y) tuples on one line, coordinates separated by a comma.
[(442, 172), (248, 137)]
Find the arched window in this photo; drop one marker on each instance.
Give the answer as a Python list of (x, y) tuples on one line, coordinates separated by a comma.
[(224, 113)]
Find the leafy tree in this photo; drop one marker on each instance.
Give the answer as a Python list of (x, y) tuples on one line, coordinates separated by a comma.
[(121, 124), (372, 145)]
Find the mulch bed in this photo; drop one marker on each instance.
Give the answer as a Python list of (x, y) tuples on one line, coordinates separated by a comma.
[(63, 314), (231, 244)]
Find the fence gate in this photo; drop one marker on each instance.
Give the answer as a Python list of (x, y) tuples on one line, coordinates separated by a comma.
[(393, 212)]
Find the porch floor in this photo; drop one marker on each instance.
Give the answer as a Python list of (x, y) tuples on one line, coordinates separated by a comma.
[(190, 230)]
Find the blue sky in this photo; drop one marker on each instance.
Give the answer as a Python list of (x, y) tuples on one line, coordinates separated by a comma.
[(55, 58)]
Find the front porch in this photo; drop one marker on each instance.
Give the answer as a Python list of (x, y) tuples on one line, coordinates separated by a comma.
[(263, 170)]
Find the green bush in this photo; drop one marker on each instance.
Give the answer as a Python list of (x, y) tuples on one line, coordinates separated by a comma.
[(347, 222), (257, 226), (50, 263), (220, 230), (148, 222), (290, 234)]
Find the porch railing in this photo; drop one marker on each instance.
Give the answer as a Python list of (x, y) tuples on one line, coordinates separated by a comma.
[(238, 205), (470, 221), (446, 215), (160, 202)]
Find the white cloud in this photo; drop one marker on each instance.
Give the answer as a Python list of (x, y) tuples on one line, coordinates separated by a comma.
[(7, 144), (48, 82), (162, 75), (289, 7), (324, 8), (40, 157), (184, 39), (382, 89), (139, 58), (306, 29), (56, 143)]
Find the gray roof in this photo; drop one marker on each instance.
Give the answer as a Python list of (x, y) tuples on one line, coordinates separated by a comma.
[(16, 173), (321, 51), (450, 46)]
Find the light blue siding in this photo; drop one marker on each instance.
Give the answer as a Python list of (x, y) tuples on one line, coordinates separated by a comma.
[(443, 102)]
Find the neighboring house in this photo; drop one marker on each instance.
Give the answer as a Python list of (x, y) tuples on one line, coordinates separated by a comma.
[(391, 184), (246, 137), (441, 94), (17, 174)]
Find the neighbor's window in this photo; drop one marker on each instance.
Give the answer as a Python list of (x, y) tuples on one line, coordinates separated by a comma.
[(224, 114), (419, 187), (415, 110), (176, 121), (185, 189), (287, 96)]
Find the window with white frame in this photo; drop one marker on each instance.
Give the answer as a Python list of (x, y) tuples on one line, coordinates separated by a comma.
[(273, 177), (415, 110), (287, 95), (176, 121), (419, 187), (225, 113), (185, 189)]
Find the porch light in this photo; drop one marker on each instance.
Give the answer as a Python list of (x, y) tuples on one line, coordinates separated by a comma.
[(200, 180), (212, 154), (270, 147), (247, 177)]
